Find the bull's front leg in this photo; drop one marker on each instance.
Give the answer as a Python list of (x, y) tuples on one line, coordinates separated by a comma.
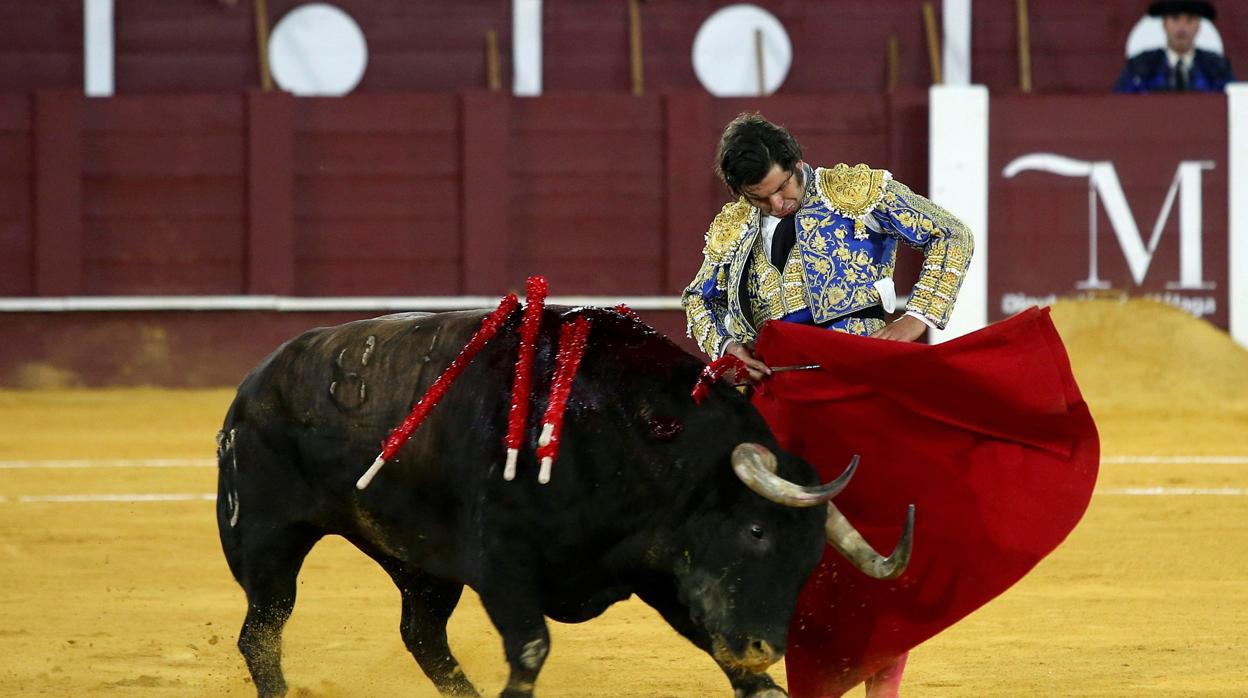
[(515, 611)]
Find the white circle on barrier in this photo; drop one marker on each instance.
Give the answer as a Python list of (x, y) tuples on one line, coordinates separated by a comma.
[(726, 55), (1149, 34), (317, 50)]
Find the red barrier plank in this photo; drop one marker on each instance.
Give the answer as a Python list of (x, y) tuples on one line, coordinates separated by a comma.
[(485, 192), (57, 206), (270, 260)]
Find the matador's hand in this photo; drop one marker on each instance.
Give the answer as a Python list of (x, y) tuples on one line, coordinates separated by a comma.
[(907, 328), (758, 370)]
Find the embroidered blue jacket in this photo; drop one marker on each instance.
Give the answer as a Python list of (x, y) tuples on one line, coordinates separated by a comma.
[(838, 265)]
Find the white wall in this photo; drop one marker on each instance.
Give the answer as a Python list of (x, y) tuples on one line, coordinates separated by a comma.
[(958, 179)]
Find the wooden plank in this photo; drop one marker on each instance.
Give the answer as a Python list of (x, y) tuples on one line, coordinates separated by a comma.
[(162, 198), (384, 277), (15, 113), (687, 189), (57, 193), (588, 155), (173, 277), (42, 46), (26, 72), (432, 200), (485, 193), (217, 240), (15, 197), (270, 264), (189, 154), (587, 191), (15, 155), (374, 240), (588, 112), (15, 254), (906, 137), (595, 276), (397, 114), (167, 114), (196, 73), (377, 155)]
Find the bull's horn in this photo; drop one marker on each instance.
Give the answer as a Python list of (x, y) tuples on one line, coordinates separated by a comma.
[(849, 542), (756, 466)]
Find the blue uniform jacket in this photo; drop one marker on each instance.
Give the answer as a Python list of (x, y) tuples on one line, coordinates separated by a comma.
[(1150, 72)]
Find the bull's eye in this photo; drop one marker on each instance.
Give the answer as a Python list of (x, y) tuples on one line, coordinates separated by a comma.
[(756, 531)]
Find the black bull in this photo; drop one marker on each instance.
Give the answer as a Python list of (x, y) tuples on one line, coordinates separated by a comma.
[(651, 494)]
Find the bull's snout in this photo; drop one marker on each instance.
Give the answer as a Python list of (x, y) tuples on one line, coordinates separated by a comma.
[(756, 655), (759, 655)]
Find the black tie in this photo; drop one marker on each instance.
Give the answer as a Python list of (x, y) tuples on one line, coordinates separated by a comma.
[(1180, 77), (782, 242)]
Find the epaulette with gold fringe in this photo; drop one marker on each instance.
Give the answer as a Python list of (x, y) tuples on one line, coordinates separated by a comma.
[(852, 191), (726, 231)]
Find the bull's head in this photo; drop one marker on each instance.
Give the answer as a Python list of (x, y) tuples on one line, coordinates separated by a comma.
[(742, 580)]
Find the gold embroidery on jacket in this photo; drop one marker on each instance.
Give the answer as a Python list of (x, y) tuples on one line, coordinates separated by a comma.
[(948, 246), (774, 294), (726, 231), (853, 191), (831, 269), (793, 283), (839, 273)]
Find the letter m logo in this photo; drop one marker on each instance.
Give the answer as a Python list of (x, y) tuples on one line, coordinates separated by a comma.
[(1103, 185)]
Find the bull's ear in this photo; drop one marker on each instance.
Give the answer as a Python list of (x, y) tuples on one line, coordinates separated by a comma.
[(756, 466)]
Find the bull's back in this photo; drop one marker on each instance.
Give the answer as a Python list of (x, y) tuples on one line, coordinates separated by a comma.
[(314, 415), (309, 419)]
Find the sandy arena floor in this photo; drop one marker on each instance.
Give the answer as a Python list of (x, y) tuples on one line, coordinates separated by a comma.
[(1148, 597)]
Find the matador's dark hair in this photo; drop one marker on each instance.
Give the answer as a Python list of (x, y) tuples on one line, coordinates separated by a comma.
[(749, 147)]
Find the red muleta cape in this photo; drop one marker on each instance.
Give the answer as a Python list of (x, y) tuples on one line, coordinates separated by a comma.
[(986, 434)]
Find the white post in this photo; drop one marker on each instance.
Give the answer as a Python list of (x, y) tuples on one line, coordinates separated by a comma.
[(526, 47), (956, 59), (958, 179), (1237, 195), (97, 48)]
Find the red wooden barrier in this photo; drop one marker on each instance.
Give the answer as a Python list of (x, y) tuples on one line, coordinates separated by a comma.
[(404, 194), (16, 186), (57, 160), (374, 194)]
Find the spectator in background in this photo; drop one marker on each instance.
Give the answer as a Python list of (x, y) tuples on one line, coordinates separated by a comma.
[(1180, 66)]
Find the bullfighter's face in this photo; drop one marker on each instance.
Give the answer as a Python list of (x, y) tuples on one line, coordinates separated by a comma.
[(779, 193)]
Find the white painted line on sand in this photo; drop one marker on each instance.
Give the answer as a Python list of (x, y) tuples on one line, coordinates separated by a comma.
[(108, 463), (1209, 460), (142, 497), (1174, 491)]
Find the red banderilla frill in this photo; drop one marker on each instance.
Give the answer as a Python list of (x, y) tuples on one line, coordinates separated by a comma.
[(572, 338), (627, 312), (400, 435), (714, 371), (522, 384)]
